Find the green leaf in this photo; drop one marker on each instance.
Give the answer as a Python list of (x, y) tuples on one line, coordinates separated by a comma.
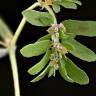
[(75, 73), (4, 30), (75, 1), (56, 8), (41, 75), (62, 35), (81, 51), (51, 71), (84, 28), (46, 37), (45, 21), (63, 72), (40, 65), (38, 18), (68, 45), (69, 5), (66, 35), (36, 49), (57, 2)]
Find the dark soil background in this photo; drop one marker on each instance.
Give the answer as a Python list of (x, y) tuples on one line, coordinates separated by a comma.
[(11, 10)]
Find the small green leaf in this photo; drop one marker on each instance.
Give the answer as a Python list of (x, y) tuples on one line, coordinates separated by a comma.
[(75, 1), (51, 71), (62, 35), (56, 8), (81, 51), (68, 45), (65, 35), (40, 65), (63, 72), (38, 18), (4, 30), (57, 2), (36, 49), (75, 73), (71, 35), (46, 37), (45, 21), (84, 28), (69, 5), (41, 75)]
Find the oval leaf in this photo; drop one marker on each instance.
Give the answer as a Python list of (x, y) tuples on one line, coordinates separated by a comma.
[(63, 72), (35, 49), (56, 8), (40, 65), (51, 71), (84, 28), (41, 76), (68, 45), (66, 35), (75, 1), (69, 5), (75, 73), (81, 51), (38, 18), (45, 21)]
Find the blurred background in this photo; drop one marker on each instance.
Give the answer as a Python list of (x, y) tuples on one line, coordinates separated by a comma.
[(11, 10)]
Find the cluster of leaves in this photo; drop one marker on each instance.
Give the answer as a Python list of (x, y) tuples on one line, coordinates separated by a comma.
[(67, 44), (70, 4)]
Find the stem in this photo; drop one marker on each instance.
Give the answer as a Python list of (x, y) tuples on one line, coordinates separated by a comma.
[(34, 6), (54, 37), (12, 54), (22, 23), (51, 13), (18, 31), (14, 71)]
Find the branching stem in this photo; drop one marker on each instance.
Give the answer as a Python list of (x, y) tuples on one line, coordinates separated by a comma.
[(12, 53)]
